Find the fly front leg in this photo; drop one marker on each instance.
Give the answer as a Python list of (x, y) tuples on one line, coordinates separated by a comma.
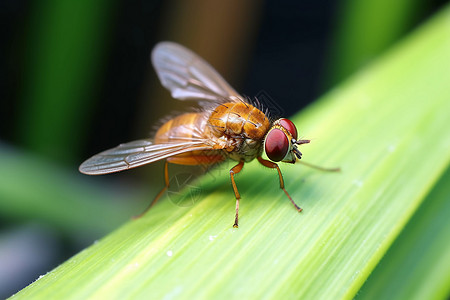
[(272, 165), (236, 169), (166, 186)]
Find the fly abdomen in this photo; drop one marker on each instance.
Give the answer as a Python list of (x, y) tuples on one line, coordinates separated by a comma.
[(189, 126)]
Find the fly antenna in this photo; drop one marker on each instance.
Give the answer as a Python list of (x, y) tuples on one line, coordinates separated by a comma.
[(300, 142)]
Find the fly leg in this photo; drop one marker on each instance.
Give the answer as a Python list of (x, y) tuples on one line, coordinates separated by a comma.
[(166, 180), (272, 165), (236, 169)]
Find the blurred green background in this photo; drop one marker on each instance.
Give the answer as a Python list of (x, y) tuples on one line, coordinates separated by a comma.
[(76, 79)]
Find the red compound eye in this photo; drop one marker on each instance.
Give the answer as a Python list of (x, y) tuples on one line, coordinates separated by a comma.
[(276, 145), (289, 126)]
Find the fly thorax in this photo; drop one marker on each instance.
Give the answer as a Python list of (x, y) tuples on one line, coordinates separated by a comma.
[(246, 149)]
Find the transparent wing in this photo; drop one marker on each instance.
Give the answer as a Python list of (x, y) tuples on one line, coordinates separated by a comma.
[(134, 154), (188, 77)]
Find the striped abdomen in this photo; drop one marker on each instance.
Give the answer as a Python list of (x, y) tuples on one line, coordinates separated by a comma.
[(186, 127), (189, 127)]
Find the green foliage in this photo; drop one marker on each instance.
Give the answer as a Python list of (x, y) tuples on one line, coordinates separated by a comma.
[(32, 188), (387, 128), (364, 29), (416, 266), (61, 69)]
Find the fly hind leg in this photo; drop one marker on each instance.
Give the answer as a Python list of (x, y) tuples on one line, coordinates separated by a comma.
[(236, 169), (164, 189), (272, 165)]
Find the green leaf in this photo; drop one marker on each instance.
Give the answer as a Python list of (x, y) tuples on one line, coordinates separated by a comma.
[(33, 188), (417, 264), (387, 128)]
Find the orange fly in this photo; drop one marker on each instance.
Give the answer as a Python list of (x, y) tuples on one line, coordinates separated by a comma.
[(227, 127)]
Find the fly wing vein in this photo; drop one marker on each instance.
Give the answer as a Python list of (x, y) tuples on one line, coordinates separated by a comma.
[(134, 154), (188, 76)]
